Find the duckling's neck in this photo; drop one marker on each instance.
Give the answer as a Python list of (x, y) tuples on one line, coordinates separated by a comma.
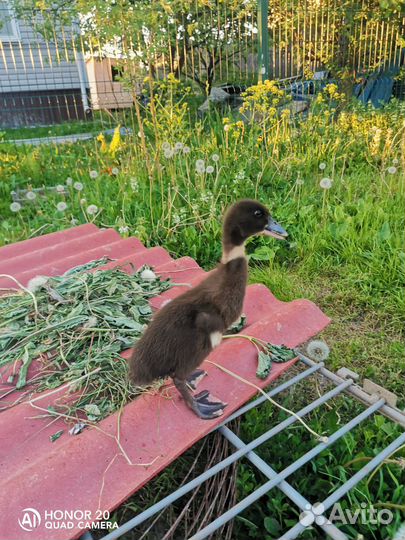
[(231, 252)]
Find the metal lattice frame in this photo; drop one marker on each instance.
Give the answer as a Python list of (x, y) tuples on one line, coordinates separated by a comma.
[(278, 480)]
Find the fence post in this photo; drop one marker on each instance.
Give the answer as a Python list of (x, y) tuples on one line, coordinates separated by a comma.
[(263, 39)]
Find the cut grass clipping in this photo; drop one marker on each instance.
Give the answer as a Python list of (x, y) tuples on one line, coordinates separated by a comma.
[(79, 323)]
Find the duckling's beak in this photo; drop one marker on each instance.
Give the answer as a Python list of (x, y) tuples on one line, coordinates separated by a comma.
[(275, 229)]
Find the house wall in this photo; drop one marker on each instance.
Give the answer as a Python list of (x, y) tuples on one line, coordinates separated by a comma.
[(104, 92), (39, 81)]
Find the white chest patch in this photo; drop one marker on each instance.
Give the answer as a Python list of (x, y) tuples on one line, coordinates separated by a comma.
[(216, 338), (234, 253)]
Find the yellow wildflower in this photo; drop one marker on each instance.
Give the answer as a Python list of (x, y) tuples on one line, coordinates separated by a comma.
[(116, 141), (102, 140)]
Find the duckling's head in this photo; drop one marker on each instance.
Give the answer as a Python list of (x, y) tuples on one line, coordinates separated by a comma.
[(247, 218)]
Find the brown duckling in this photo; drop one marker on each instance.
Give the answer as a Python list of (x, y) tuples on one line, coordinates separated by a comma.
[(183, 333)]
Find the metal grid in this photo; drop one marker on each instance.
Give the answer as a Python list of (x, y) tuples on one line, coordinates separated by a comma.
[(374, 403)]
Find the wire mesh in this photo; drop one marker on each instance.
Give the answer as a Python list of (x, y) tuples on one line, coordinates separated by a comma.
[(279, 480)]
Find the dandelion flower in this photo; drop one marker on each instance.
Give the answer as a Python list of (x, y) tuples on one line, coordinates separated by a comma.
[(31, 195), (61, 206), (93, 174), (326, 183), (83, 201), (168, 153), (92, 209), (166, 146), (148, 275), (115, 171), (15, 207), (200, 164), (209, 169), (318, 350), (227, 127), (392, 170), (178, 146), (36, 283), (78, 186), (186, 150), (215, 157), (60, 188), (322, 166), (69, 181)]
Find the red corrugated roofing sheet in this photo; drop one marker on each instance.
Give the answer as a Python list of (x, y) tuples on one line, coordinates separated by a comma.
[(69, 474)]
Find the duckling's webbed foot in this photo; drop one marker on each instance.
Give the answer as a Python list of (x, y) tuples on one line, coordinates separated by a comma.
[(195, 378), (208, 406), (202, 404)]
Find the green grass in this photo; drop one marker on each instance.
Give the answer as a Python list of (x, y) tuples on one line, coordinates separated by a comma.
[(345, 251)]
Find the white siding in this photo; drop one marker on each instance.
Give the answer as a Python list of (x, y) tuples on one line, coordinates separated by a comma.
[(32, 64)]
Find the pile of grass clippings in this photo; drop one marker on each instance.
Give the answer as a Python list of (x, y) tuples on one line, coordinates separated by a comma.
[(79, 323)]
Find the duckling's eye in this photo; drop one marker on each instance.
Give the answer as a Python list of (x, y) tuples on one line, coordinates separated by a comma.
[(258, 213)]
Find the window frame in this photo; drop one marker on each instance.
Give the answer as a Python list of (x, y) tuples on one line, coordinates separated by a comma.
[(15, 36)]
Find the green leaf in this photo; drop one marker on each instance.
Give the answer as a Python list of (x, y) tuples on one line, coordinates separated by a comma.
[(280, 353), (264, 365), (272, 525), (263, 253), (56, 436), (385, 232)]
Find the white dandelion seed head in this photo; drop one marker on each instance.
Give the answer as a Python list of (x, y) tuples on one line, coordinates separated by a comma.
[(166, 146), (92, 209), (15, 207), (178, 146), (124, 229), (74, 221), (299, 182), (115, 171), (200, 164), (60, 188), (148, 275), (93, 174), (318, 350), (69, 181), (322, 166), (61, 206), (31, 195), (326, 183), (227, 127), (36, 283), (186, 150), (392, 170), (78, 186), (215, 158), (168, 153), (395, 161), (209, 169)]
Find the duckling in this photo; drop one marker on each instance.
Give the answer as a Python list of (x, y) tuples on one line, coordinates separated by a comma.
[(183, 333)]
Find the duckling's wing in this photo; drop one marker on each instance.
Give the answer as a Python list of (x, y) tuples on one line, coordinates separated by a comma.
[(209, 321)]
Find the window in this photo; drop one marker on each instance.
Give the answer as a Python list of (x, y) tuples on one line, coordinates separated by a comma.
[(116, 73), (8, 24)]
